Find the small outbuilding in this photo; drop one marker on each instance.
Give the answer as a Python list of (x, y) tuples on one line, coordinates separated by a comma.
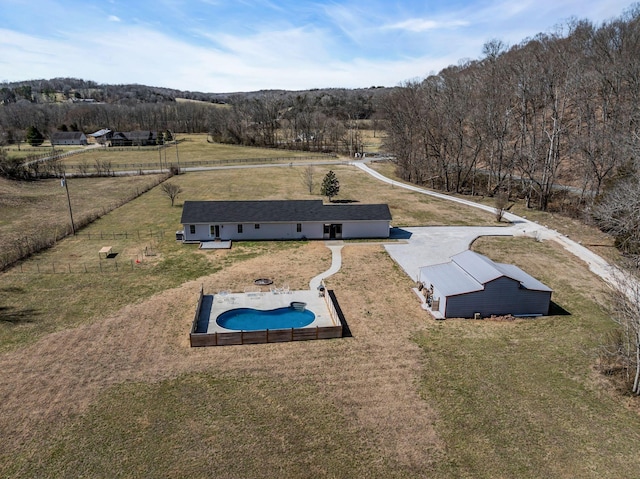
[(471, 284), (282, 220), (68, 138)]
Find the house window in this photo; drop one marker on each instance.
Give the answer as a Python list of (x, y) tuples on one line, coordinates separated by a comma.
[(192, 229), (239, 228), (256, 226), (299, 228), (327, 229)]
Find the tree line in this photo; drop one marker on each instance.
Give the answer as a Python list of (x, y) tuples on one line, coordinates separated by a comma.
[(560, 107), (322, 120)]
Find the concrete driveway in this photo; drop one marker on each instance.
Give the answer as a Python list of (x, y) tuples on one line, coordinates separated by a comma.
[(436, 244), (433, 245)]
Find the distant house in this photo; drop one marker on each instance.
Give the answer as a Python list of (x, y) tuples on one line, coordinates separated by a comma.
[(471, 283), (68, 138), (134, 138), (102, 136), (282, 220)]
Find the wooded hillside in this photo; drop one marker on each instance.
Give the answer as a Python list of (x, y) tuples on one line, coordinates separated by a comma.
[(561, 106)]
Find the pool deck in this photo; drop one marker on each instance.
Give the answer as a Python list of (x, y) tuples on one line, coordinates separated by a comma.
[(216, 304)]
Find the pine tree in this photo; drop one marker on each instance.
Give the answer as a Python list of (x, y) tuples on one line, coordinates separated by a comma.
[(34, 137), (330, 185)]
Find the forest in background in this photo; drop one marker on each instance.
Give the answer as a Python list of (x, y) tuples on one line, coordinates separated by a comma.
[(559, 109)]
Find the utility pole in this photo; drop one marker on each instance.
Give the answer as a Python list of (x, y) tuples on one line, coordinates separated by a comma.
[(177, 157), (64, 183)]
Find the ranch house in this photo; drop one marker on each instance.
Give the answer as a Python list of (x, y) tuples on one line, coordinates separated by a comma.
[(472, 284), (68, 138), (282, 220)]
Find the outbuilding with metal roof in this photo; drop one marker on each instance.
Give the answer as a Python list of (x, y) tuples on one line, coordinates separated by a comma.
[(471, 284)]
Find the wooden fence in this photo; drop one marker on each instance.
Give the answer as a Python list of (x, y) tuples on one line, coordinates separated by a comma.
[(113, 235), (91, 169), (108, 266), (266, 336)]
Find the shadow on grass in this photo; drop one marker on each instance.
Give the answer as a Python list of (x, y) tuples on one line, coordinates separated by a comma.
[(345, 201), (111, 255), (11, 315), (556, 310), (202, 326), (346, 331)]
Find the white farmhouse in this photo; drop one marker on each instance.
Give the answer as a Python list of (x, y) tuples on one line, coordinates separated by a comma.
[(282, 220)]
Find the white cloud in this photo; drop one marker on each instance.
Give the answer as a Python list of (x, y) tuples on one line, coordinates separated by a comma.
[(113, 18), (422, 25)]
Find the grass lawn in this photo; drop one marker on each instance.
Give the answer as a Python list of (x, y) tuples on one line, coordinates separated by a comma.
[(99, 380), (521, 398), (27, 150), (193, 150), (38, 211), (96, 288)]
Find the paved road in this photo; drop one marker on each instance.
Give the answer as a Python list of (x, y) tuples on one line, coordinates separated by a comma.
[(436, 244)]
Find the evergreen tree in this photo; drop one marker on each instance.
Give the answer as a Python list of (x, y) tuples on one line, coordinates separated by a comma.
[(330, 185), (34, 137)]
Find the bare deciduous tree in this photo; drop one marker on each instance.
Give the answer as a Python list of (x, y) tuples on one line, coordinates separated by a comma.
[(172, 190), (502, 202), (307, 178), (623, 353)]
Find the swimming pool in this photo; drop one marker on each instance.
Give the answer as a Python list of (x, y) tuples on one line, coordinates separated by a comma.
[(249, 319)]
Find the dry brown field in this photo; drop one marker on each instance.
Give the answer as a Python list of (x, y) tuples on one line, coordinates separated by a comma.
[(111, 387)]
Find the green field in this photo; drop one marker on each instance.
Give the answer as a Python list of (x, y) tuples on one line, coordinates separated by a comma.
[(99, 380), (193, 150)]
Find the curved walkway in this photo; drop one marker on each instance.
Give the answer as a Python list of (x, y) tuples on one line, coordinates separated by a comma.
[(336, 263), (520, 227)]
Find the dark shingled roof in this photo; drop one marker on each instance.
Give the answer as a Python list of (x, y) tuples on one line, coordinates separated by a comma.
[(66, 135), (279, 211)]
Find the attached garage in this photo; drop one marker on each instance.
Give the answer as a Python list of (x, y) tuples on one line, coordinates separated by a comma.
[(471, 284)]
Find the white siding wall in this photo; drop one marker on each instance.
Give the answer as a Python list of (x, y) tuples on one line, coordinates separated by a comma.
[(443, 300), (368, 229), (286, 231)]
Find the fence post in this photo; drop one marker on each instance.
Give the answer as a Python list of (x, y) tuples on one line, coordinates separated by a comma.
[(69, 267), (54, 267), (38, 265)]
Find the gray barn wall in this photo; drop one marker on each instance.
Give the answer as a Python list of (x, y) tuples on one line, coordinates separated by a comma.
[(501, 296)]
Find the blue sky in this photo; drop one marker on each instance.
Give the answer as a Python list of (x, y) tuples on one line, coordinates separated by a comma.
[(244, 45)]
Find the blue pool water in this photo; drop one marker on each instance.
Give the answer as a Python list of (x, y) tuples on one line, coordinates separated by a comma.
[(249, 319)]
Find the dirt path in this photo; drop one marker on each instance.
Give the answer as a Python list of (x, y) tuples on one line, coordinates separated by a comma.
[(371, 378)]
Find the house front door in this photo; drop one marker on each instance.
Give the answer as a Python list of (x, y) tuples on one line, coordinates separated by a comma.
[(215, 231), (333, 231)]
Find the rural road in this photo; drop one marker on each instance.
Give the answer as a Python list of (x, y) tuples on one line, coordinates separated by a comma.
[(458, 239)]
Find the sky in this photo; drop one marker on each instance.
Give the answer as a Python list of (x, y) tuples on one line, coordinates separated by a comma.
[(222, 46)]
